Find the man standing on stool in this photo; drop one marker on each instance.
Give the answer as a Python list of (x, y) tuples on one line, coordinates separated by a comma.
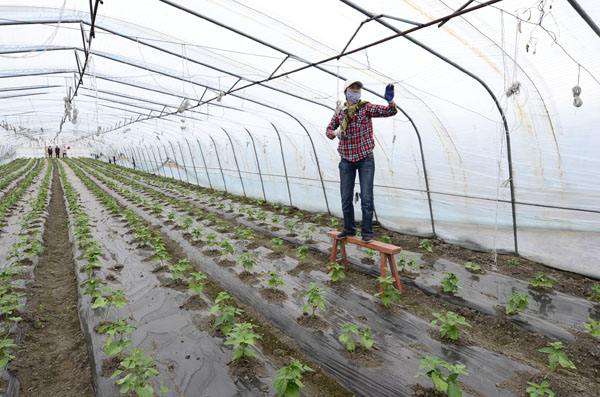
[(356, 150)]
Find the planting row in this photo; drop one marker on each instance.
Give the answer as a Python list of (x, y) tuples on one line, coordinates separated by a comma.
[(585, 350), (533, 305), (161, 289), (20, 246), (301, 285)]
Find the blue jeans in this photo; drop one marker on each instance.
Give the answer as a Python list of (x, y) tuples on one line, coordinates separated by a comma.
[(366, 173)]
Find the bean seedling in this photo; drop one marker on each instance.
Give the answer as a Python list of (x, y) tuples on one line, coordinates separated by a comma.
[(389, 293), (443, 375), (302, 252), (450, 283), (517, 302), (196, 234), (595, 295), (227, 247), (426, 245), (473, 267), (513, 262), (350, 331), (288, 380), (274, 280), (242, 338), (6, 347), (557, 356), (134, 373), (450, 324), (247, 260), (541, 281), (277, 242), (539, 390), (314, 299), (196, 282), (179, 269), (336, 272)]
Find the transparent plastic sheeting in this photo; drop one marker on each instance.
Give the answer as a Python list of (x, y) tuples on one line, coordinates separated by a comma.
[(135, 71)]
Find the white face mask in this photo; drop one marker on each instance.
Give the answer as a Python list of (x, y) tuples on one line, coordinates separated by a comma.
[(352, 96)]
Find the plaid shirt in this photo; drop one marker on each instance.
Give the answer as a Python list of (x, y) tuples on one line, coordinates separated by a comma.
[(357, 142)]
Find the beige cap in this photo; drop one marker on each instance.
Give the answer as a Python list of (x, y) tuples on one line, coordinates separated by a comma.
[(349, 82)]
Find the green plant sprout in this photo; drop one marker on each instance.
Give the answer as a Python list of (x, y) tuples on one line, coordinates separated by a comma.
[(117, 299), (156, 209), (426, 245), (275, 280), (227, 247), (290, 225), (386, 239), (336, 272), (134, 374), (171, 216), (450, 324), (443, 375), (517, 302), (370, 253), (186, 223), (557, 356), (334, 222), (7, 345), (275, 219), (405, 265), (225, 317), (277, 242), (539, 390), (513, 262), (541, 281), (288, 380), (450, 283), (595, 295), (314, 299), (179, 268), (473, 267), (593, 327), (389, 293), (196, 233), (302, 252), (244, 233), (196, 282), (211, 239), (247, 260), (116, 343), (242, 337), (261, 215), (350, 331)]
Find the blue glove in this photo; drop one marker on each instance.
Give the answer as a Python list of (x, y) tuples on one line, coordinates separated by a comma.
[(389, 93)]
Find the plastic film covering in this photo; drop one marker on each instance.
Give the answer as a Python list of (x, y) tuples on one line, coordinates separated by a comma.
[(488, 86)]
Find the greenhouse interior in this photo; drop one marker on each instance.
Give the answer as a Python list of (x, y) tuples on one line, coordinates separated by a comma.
[(218, 198)]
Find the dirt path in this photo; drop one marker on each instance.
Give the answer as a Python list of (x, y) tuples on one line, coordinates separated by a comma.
[(53, 359)]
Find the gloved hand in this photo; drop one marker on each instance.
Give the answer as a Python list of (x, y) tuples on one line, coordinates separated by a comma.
[(389, 93)]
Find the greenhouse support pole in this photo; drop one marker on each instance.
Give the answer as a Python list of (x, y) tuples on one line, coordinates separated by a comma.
[(142, 156), (187, 174), (262, 184), (193, 162), (204, 162), (490, 92), (584, 15), (166, 161), (287, 181), (162, 162), (175, 160), (131, 156), (219, 162), (151, 170), (237, 165)]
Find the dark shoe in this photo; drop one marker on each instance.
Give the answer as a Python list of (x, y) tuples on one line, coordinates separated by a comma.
[(345, 234), (367, 238)]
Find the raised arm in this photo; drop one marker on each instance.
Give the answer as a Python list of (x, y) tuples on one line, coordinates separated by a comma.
[(381, 110)]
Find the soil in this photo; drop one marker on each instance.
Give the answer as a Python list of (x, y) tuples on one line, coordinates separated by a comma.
[(273, 295), (194, 302), (247, 277), (314, 322), (53, 357)]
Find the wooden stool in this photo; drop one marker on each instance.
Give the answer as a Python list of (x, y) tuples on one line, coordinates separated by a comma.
[(387, 252)]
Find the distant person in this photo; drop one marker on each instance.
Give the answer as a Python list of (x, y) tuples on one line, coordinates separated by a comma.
[(57, 152), (114, 160), (50, 151), (133, 160)]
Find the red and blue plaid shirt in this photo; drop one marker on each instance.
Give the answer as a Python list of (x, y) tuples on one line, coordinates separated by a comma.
[(357, 142)]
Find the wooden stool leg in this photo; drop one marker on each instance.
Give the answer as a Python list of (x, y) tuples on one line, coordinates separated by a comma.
[(394, 270), (344, 257), (334, 251), (382, 266)]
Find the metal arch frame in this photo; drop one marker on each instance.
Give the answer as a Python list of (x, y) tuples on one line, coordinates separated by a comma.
[(485, 86), (237, 165), (155, 161), (287, 181), (193, 162), (262, 183), (219, 161), (584, 15), (204, 162), (166, 161), (187, 175), (175, 159)]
